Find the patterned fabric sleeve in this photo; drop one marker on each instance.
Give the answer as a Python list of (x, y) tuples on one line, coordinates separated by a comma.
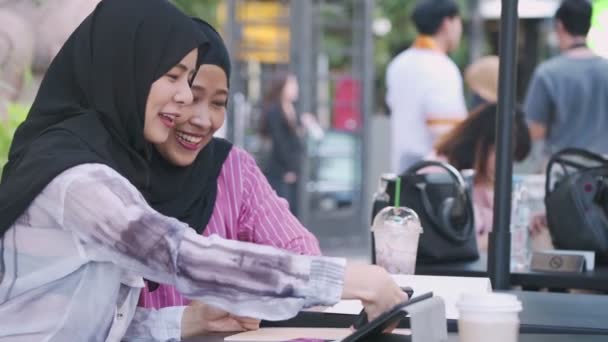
[(246, 209), (155, 325), (115, 224)]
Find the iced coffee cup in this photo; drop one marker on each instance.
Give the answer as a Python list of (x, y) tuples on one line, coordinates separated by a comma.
[(488, 317), (396, 234)]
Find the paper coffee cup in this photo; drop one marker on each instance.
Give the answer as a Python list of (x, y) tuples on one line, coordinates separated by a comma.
[(488, 317)]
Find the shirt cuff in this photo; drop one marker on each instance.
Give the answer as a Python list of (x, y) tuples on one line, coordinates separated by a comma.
[(172, 321), (326, 281)]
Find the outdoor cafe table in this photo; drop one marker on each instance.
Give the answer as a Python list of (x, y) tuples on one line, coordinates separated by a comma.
[(452, 337), (545, 317), (588, 280)]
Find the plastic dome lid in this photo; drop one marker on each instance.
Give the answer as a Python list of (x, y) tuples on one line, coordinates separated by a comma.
[(489, 302)]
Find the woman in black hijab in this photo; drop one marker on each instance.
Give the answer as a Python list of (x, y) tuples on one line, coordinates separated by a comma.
[(91, 104), (82, 235), (117, 84)]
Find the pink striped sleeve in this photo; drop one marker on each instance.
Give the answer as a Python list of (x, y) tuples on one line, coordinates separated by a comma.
[(266, 217)]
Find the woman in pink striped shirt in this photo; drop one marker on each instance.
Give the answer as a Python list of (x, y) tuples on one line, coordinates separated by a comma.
[(246, 208)]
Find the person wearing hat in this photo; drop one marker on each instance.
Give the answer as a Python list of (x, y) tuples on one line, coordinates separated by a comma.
[(482, 79)]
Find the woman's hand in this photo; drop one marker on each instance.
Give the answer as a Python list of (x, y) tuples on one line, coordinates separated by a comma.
[(311, 124), (538, 223), (374, 287), (201, 319), (290, 177)]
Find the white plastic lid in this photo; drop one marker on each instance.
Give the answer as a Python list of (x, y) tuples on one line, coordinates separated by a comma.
[(489, 302), (391, 218)]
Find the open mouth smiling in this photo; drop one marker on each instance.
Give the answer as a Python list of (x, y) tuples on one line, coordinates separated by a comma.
[(168, 119), (188, 140)]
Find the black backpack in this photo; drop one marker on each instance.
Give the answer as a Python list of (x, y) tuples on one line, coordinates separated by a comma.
[(445, 209), (576, 199)]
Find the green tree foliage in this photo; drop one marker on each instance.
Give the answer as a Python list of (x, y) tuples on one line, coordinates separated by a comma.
[(204, 9), (15, 115)]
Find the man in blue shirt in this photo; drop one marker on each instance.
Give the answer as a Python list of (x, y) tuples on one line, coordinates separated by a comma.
[(567, 99)]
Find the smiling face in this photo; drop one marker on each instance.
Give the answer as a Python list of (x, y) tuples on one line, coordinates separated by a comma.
[(201, 119), (167, 98)]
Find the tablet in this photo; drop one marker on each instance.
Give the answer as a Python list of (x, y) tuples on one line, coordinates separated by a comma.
[(362, 318), (387, 319)]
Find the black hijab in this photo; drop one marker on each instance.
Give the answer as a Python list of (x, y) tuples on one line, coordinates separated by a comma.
[(189, 193), (90, 107)]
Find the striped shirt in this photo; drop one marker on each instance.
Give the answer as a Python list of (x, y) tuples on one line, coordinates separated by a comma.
[(246, 209), (75, 261)]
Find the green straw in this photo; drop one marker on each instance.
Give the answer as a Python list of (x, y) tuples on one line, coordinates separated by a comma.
[(398, 193)]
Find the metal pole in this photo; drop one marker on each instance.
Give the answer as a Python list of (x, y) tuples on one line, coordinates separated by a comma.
[(367, 106), (500, 238), (302, 61), (232, 41), (476, 31), (302, 58)]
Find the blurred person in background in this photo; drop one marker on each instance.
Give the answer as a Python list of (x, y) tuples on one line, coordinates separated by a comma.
[(567, 99), (471, 145), (286, 129), (424, 86), (481, 77)]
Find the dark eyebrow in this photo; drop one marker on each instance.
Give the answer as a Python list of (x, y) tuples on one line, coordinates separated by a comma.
[(181, 66), (184, 68), (217, 92), (221, 92)]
